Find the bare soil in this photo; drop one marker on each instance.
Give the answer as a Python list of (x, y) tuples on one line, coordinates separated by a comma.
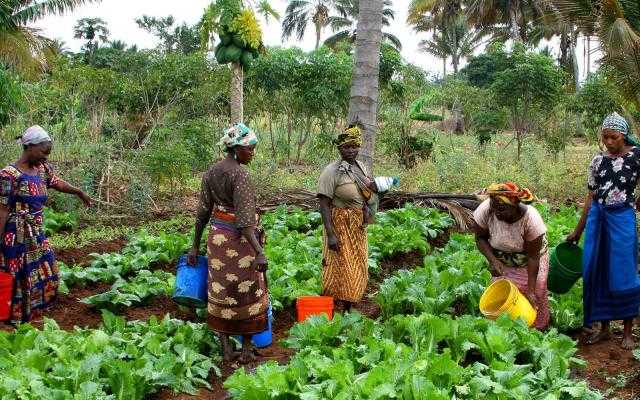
[(611, 369), (81, 255)]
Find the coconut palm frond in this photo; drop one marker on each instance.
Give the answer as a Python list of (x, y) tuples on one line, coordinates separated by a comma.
[(339, 22), (393, 40), (267, 11), (342, 36), (30, 11), (463, 216), (24, 50)]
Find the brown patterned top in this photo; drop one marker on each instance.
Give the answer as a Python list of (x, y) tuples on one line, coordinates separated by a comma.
[(227, 184)]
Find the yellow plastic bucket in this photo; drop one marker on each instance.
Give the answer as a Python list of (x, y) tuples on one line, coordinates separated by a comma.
[(503, 296)]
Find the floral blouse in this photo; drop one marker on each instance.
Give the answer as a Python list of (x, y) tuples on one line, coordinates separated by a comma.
[(613, 179)]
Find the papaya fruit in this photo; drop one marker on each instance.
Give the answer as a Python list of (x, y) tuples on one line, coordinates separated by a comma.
[(246, 59), (237, 41), (226, 38), (233, 53), (221, 54)]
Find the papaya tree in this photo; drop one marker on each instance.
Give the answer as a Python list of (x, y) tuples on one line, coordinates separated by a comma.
[(233, 25)]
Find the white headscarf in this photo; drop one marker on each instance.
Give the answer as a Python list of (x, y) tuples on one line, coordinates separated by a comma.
[(34, 135)]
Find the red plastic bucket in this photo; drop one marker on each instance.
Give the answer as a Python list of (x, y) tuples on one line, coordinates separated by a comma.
[(314, 305), (6, 290)]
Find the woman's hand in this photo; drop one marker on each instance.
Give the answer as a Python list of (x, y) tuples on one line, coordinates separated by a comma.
[(192, 257), (497, 268), (260, 263), (85, 199), (333, 243), (574, 237)]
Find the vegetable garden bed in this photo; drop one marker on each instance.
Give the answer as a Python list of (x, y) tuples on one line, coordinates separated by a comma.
[(445, 287)]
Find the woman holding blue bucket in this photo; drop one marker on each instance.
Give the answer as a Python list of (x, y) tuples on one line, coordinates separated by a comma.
[(237, 293), (609, 270)]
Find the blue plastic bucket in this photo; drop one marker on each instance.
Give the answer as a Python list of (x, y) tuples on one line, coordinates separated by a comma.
[(191, 283), (265, 338)]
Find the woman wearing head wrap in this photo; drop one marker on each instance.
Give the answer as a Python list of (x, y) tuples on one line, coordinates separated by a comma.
[(237, 292), (512, 236), (609, 263), (25, 251), (344, 189)]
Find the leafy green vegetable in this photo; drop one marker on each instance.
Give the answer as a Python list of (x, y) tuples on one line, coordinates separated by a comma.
[(294, 246), (138, 290), (451, 281), (118, 361), (142, 252), (417, 357), (57, 222)]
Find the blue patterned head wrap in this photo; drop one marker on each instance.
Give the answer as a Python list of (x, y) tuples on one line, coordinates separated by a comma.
[(616, 122), (238, 135)]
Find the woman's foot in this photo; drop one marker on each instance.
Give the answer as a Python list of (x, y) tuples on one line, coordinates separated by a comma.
[(228, 353), (230, 356), (247, 356), (598, 337), (628, 343), (627, 337)]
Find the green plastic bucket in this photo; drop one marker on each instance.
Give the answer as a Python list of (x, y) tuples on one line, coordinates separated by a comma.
[(565, 267)]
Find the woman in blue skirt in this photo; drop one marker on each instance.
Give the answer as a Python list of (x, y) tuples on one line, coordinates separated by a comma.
[(610, 269)]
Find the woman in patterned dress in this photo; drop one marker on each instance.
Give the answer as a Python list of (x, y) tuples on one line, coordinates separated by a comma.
[(344, 189), (26, 254), (237, 292), (609, 263), (512, 236)]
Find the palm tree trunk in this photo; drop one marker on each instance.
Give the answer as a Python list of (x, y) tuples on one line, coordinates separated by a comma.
[(236, 100), (363, 103), (588, 69), (318, 35), (444, 75), (515, 31), (575, 68), (455, 58)]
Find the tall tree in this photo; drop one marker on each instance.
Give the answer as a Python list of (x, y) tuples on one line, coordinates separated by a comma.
[(182, 38), (616, 25), (455, 39), (363, 103), (22, 47), (431, 16), (94, 31), (300, 13), (426, 15), (229, 18), (343, 24), (519, 16)]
